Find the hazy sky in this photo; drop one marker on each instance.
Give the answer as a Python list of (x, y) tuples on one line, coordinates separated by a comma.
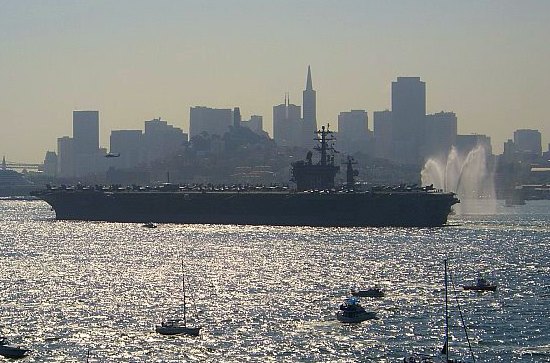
[(488, 61)]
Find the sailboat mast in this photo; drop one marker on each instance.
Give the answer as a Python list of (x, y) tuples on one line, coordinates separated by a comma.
[(446, 316), (184, 302)]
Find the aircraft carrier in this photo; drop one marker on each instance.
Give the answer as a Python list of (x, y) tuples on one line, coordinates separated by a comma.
[(316, 201)]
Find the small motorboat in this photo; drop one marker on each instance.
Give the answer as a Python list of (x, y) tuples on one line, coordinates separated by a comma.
[(481, 285), (149, 225), (11, 352), (370, 292), (352, 312)]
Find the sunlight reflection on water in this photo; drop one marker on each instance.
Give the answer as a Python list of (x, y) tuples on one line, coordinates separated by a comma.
[(269, 293)]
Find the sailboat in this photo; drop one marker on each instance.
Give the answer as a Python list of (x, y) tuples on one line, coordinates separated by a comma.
[(443, 357), (9, 351), (178, 326)]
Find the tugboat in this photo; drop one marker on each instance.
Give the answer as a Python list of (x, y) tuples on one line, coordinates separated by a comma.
[(481, 285), (352, 312)]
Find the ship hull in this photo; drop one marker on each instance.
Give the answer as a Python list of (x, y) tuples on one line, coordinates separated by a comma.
[(408, 209)]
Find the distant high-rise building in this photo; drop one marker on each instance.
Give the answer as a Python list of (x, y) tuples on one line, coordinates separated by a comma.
[(440, 135), (128, 145), (50, 163), (237, 118), (65, 157), (353, 129), (383, 136), (528, 141), (86, 142), (210, 120), (510, 153), (86, 132), (408, 117), (162, 140), (467, 143), (310, 113), (255, 124), (287, 125)]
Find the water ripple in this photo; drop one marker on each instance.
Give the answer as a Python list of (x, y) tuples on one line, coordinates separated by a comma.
[(270, 293)]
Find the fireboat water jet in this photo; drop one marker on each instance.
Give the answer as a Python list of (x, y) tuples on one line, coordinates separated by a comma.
[(469, 177)]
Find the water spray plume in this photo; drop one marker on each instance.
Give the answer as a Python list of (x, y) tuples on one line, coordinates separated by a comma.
[(469, 177)]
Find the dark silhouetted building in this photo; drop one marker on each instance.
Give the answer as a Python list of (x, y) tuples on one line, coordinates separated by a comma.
[(440, 135), (528, 141), (309, 113), (408, 117), (65, 157), (255, 124), (86, 142), (161, 140), (353, 131), (128, 146), (383, 135), (212, 121), (467, 143), (237, 119), (287, 125), (50, 164)]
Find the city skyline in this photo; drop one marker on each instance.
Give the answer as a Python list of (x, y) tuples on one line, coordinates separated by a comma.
[(133, 61)]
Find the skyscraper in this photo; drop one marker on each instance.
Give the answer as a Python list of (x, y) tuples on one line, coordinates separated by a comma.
[(383, 134), (86, 132), (128, 144), (65, 157), (353, 131), (309, 124), (255, 124), (528, 141), (440, 135), (161, 140), (287, 126), (86, 142), (210, 120), (408, 115)]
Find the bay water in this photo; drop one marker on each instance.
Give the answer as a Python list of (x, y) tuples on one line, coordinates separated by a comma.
[(266, 293)]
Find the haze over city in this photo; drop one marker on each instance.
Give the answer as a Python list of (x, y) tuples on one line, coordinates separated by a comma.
[(488, 62)]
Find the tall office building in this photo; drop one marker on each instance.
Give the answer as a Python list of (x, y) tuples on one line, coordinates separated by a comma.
[(353, 127), (408, 114), (161, 140), (528, 141), (466, 143), (86, 132), (50, 163), (210, 120), (255, 124), (287, 125), (383, 135), (128, 144), (309, 123), (65, 157), (86, 142), (440, 135), (237, 118)]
